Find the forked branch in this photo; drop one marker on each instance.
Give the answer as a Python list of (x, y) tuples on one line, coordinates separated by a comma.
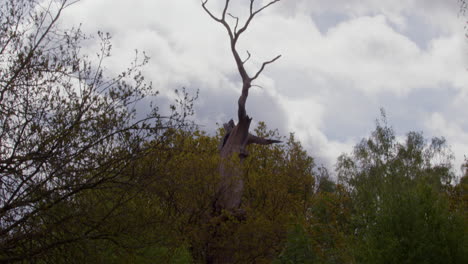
[(235, 33), (237, 21), (221, 20), (251, 16)]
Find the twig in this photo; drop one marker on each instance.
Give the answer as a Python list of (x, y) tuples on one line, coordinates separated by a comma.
[(248, 57), (237, 22)]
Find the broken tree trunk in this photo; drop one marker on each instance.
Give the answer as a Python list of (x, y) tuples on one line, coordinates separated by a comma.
[(237, 137), (228, 195), (235, 142)]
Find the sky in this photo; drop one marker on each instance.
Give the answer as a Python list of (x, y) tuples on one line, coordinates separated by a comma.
[(342, 61)]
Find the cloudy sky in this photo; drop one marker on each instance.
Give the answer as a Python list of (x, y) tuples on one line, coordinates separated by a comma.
[(341, 62)]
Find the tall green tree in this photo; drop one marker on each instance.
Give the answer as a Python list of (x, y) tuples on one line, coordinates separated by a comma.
[(399, 191)]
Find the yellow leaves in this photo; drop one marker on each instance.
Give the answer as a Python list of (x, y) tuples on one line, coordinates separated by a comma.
[(278, 183)]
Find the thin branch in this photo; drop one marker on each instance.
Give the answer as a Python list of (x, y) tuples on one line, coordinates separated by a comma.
[(252, 15), (209, 12), (261, 141), (226, 5), (237, 22), (248, 57), (263, 67), (72, 3), (31, 52), (219, 20), (267, 5), (234, 37)]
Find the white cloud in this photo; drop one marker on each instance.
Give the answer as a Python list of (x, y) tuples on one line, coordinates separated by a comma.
[(330, 82)]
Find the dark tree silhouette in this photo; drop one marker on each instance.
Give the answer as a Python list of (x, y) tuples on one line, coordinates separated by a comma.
[(228, 195), (237, 136)]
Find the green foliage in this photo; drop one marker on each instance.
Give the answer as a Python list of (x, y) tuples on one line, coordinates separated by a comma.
[(400, 200), (69, 134), (84, 180), (179, 178), (298, 248), (279, 183), (328, 224), (393, 204)]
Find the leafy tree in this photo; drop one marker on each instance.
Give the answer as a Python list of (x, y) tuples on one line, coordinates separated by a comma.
[(328, 225), (399, 193), (66, 130), (279, 183), (180, 178)]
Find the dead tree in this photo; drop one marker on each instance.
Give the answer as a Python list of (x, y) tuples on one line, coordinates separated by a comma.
[(237, 137)]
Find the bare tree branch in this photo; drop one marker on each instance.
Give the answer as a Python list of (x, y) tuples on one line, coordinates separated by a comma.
[(221, 20), (33, 50), (225, 9), (261, 141), (248, 57), (237, 22), (265, 6), (72, 3), (209, 12), (251, 16), (234, 36), (263, 67)]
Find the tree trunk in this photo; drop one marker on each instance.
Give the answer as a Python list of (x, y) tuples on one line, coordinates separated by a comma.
[(228, 195)]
